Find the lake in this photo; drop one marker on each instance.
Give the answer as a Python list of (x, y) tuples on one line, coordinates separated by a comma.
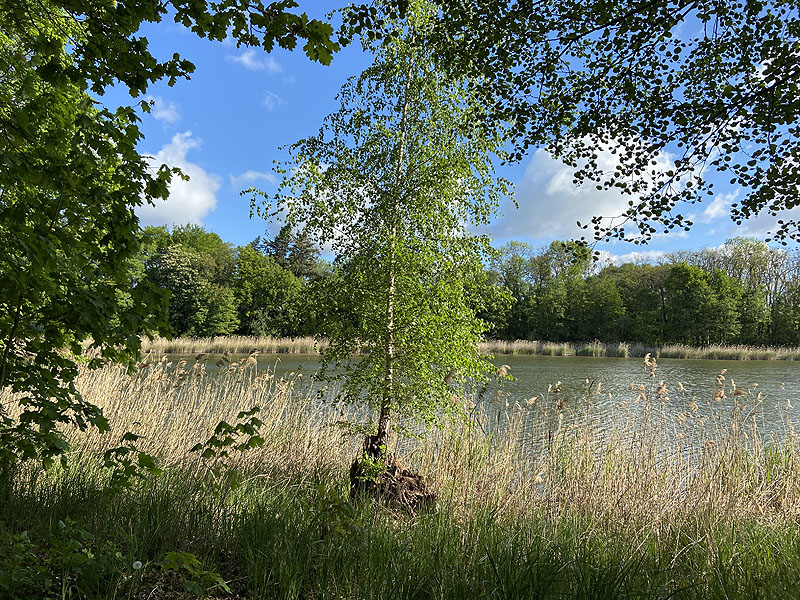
[(607, 389)]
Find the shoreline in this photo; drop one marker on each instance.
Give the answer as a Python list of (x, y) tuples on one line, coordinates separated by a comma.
[(310, 345)]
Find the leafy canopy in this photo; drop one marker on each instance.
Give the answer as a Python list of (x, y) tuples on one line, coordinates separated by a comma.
[(70, 179), (677, 89), (391, 184)]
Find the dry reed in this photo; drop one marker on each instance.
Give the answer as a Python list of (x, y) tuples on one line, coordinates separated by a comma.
[(641, 466), (311, 345), (234, 344)]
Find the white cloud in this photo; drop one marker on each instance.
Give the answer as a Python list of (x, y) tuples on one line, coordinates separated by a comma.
[(272, 101), (759, 226), (637, 257), (189, 201), (163, 110), (550, 204), (765, 224), (252, 177), (254, 62), (720, 207)]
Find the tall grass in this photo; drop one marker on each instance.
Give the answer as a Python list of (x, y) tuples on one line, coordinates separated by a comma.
[(310, 345), (659, 464), (532, 503), (538, 348)]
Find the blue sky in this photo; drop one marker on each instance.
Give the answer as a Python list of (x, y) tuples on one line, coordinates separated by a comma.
[(225, 125)]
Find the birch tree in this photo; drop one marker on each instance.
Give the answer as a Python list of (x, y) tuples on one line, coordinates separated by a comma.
[(393, 184)]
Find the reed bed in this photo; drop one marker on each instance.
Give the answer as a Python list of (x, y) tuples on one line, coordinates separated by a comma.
[(718, 352), (234, 344), (311, 345), (539, 348), (534, 500), (636, 350), (640, 464)]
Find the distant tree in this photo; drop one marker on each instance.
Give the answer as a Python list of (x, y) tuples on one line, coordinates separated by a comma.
[(643, 292), (689, 305), (198, 305), (154, 239), (303, 259), (495, 306), (785, 320), (267, 295), (511, 268), (603, 310), (218, 255), (724, 326), (753, 316), (217, 314), (278, 247), (548, 311), (180, 272), (295, 252)]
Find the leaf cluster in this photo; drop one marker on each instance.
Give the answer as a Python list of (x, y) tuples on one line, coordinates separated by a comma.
[(240, 437), (671, 90), (70, 179)]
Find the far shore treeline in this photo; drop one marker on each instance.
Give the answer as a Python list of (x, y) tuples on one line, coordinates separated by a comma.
[(741, 293)]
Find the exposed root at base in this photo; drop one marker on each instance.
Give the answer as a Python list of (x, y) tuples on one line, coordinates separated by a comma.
[(396, 486)]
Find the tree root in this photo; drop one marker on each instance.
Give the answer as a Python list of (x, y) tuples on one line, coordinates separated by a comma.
[(396, 486)]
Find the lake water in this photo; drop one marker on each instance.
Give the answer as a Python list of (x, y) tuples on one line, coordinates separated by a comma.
[(606, 388)]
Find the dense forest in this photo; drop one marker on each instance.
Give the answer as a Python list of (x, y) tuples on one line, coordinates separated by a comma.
[(743, 292)]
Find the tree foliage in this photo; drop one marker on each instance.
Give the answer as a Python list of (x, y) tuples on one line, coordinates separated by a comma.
[(678, 89), (293, 251), (391, 183), (70, 179), (268, 296), (718, 295)]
